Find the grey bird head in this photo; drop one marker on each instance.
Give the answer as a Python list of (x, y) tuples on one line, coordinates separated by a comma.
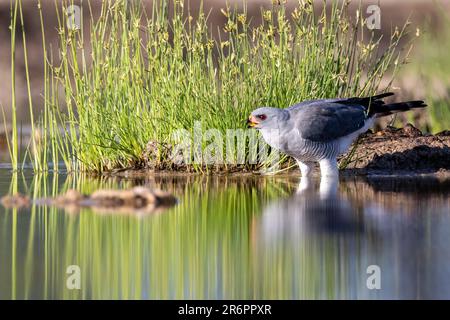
[(267, 118)]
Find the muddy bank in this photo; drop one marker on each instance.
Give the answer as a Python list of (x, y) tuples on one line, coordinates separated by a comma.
[(392, 151), (399, 151)]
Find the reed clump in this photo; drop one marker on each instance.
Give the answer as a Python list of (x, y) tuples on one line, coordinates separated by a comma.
[(142, 75)]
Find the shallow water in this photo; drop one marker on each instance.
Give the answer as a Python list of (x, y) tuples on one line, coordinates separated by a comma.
[(231, 238)]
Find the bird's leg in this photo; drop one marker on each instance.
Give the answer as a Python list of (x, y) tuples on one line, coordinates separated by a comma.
[(304, 185), (306, 168), (329, 168), (328, 187)]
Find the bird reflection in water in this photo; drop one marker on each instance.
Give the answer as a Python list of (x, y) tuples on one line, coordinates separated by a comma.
[(330, 231), (316, 207)]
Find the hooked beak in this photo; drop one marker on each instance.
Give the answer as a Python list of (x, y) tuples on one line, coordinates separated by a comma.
[(251, 122)]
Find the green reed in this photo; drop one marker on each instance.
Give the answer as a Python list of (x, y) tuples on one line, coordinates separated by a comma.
[(142, 75), (13, 144)]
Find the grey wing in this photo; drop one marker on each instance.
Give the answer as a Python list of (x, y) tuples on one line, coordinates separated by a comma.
[(325, 121), (310, 102)]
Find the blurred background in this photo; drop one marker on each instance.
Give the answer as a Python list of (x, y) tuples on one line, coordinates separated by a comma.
[(426, 76)]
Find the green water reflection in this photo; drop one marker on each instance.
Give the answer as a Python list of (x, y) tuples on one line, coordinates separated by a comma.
[(231, 237)]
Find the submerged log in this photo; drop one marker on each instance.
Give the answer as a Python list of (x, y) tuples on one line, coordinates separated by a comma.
[(139, 199)]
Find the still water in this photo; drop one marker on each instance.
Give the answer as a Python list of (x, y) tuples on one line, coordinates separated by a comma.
[(231, 238)]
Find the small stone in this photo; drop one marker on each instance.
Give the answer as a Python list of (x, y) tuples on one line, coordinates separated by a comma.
[(144, 193), (138, 197), (165, 198), (15, 201), (108, 197), (71, 196), (411, 131)]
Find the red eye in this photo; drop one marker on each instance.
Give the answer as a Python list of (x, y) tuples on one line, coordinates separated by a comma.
[(262, 116)]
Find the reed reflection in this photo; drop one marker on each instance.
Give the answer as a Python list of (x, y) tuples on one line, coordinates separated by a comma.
[(233, 237)]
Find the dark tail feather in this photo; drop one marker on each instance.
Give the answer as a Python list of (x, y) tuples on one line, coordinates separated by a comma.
[(367, 101), (377, 107), (382, 110), (380, 96)]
